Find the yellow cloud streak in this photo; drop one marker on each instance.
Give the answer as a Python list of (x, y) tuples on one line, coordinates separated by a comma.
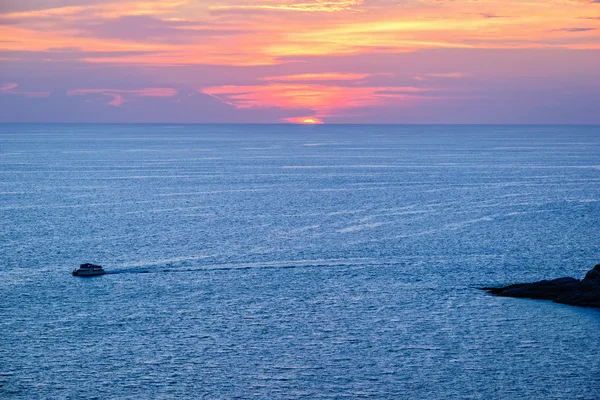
[(318, 6)]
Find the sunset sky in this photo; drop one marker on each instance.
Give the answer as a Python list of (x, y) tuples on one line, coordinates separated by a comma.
[(305, 61)]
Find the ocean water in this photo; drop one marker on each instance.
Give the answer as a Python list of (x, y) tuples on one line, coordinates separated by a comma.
[(282, 262)]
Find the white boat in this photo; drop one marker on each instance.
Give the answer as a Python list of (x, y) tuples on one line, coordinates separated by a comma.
[(88, 270)]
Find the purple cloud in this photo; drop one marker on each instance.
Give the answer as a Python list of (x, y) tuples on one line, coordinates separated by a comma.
[(140, 28), (492, 16), (577, 29), (149, 29), (66, 54), (8, 6)]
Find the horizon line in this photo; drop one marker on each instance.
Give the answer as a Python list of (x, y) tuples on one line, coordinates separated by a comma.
[(295, 124)]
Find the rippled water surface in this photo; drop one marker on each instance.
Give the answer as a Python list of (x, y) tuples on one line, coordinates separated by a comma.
[(251, 261)]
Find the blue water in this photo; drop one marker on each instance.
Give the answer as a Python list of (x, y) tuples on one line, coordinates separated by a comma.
[(280, 262)]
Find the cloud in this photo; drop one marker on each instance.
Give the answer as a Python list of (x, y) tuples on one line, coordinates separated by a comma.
[(9, 6), (492, 16), (186, 107), (143, 28), (322, 99), (399, 91), (314, 77), (9, 88), (443, 75), (137, 28), (301, 6), (577, 29), (40, 8), (447, 75), (68, 54), (119, 96)]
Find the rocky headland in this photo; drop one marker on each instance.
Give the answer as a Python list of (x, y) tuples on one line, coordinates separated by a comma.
[(575, 292)]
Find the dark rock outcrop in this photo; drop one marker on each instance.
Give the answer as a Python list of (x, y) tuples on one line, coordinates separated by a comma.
[(575, 292)]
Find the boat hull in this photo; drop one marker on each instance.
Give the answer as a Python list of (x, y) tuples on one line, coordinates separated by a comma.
[(85, 274)]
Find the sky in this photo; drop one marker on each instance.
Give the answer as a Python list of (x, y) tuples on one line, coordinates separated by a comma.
[(301, 61)]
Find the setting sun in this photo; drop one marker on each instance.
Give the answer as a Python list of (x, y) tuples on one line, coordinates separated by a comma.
[(305, 120)]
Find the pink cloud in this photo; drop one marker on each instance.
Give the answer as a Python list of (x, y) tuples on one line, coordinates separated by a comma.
[(324, 100), (448, 75), (313, 77), (8, 88), (119, 96)]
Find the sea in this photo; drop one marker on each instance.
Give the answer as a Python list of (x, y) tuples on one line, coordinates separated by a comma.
[(295, 261)]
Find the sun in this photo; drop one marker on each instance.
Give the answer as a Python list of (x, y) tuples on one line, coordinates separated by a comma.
[(305, 120)]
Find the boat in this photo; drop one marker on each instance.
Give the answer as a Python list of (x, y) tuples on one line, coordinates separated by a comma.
[(88, 270)]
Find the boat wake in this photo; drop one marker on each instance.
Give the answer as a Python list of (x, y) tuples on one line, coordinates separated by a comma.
[(247, 266)]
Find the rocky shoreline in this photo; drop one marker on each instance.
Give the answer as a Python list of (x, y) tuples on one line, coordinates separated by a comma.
[(575, 292)]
